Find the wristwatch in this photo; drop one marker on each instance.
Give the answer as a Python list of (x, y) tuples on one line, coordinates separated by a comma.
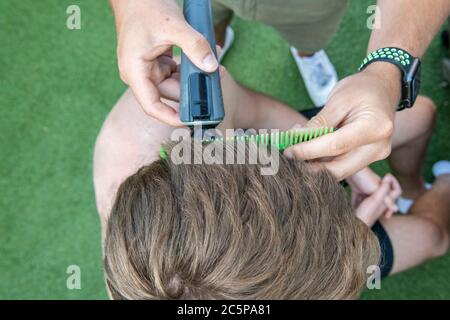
[(409, 66)]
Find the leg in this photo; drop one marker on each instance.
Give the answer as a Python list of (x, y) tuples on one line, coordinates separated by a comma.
[(246, 108), (413, 129), (424, 233)]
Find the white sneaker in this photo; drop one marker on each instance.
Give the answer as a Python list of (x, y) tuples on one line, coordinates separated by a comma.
[(441, 167), (318, 73), (229, 39)]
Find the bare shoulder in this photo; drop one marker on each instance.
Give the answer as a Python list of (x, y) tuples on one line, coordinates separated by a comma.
[(128, 140)]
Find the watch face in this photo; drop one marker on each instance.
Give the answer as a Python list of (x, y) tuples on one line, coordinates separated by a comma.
[(412, 84), (410, 68), (416, 84)]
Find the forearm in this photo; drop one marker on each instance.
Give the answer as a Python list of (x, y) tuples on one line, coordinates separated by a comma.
[(247, 109), (273, 114), (118, 7), (409, 24), (117, 4), (365, 179)]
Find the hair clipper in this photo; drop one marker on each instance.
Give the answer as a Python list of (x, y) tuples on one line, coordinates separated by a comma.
[(201, 102)]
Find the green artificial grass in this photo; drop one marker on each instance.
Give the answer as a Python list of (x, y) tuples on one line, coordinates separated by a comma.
[(57, 86)]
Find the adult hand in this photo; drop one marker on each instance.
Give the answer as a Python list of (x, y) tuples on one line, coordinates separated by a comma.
[(362, 107), (147, 31)]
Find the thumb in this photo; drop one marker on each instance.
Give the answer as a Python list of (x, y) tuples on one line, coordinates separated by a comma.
[(329, 116), (382, 191), (195, 47)]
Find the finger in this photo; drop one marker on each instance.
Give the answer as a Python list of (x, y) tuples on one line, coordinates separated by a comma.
[(382, 192), (389, 214), (161, 69), (175, 76), (389, 201), (356, 201), (367, 180), (168, 60), (218, 50), (390, 204), (396, 189), (149, 98), (170, 89), (347, 164), (330, 116), (194, 46), (222, 71), (168, 52), (337, 143), (296, 126), (373, 207), (375, 202)]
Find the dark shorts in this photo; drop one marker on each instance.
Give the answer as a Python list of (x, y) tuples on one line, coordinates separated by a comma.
[(387, 252)]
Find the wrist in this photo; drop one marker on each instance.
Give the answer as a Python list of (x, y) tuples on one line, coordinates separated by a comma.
[(390, 76)]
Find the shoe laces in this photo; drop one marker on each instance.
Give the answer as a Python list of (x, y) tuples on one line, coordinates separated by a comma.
[(319, 73)]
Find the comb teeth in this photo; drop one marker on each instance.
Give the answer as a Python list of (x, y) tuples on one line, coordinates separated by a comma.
[(281, 140), (284, 139)]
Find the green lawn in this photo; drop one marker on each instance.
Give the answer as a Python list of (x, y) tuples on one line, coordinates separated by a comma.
[(57, 86)]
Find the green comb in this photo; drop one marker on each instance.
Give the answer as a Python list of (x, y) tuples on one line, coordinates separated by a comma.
[(281, 140)]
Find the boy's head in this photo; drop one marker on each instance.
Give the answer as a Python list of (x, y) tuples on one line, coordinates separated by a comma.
[(221, 231)]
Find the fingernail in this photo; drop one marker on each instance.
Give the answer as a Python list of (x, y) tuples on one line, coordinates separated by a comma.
[(289, 154), (210, 62), (222, 70), (297, 126)]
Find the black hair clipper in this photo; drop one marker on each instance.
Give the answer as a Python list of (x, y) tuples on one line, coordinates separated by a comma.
[(201, 102)]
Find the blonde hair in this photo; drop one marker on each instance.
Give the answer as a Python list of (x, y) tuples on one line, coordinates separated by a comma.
[(192, 231)]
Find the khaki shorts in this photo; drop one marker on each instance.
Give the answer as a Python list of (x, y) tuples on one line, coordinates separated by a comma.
[(308, 25)]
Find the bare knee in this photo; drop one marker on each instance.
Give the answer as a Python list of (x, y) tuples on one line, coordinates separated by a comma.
[(439, 238)]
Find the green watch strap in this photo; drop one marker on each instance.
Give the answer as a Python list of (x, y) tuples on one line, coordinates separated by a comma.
[(394, 55), (409, 66)]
